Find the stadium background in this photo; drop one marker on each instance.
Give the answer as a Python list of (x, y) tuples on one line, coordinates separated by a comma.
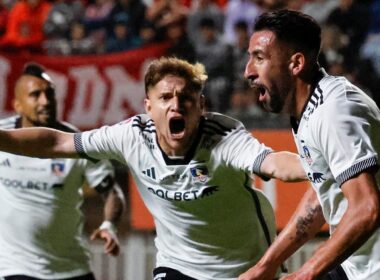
[(97, 87)]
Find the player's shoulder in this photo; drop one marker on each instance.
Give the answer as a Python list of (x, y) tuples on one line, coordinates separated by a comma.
[(141, 123), (221, 123), (9, 123)]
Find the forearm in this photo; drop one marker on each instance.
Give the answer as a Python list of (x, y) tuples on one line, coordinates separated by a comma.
[(353, 231), (285, 166), (37, 142), (114, 205), (305, 223)]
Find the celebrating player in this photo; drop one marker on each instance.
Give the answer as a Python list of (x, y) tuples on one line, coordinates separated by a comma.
[(193, 170), (336, 128), (40, 220)]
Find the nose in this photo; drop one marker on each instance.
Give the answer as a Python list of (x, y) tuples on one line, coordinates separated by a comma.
[(250, 72), (43, 98), (177, 104)]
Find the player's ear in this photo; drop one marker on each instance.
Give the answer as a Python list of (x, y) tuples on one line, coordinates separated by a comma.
[(147, 106), (297, 63), (17, 106)]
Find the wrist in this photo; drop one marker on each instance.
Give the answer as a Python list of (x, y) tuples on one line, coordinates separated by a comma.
[(108, 225)]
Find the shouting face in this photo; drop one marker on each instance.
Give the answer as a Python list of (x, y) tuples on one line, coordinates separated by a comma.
[(176, 112), (268, 71)]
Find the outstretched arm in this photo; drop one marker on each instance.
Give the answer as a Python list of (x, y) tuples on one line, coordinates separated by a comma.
[(285, 166), (303, 225), (359, 222), (38, 142)]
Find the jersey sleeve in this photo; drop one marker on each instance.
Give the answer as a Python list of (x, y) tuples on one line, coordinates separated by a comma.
[(343, 135), (242, 151), (107, 142)]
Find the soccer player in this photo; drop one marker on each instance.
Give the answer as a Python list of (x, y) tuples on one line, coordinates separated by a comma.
[(40, 219), (193, 170), (336, 128)]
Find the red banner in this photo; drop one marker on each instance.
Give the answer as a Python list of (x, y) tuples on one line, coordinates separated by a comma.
[(91, 90)]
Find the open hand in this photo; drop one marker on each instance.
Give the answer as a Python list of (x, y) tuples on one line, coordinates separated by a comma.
[(111, 246)]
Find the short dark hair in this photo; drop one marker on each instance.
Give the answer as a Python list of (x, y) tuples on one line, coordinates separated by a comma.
[(36, 70), (299, 30), (194, 74)]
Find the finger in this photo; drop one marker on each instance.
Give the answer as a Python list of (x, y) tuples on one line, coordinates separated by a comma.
[(95, 234)]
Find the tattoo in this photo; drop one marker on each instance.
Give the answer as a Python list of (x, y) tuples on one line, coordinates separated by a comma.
[(304, 223)]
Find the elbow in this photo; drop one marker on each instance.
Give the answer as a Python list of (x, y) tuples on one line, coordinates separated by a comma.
[(372, 220)]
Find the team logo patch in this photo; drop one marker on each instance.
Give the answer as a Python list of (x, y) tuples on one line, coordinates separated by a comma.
[(58, 168), (199, 174), (306, 153)]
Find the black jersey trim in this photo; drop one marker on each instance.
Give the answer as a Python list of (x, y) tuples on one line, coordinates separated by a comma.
[(259, 212), (259, 160), (80, 149), (149, 126), (209, 122), (210, 130), (260, 216), (356, 169)]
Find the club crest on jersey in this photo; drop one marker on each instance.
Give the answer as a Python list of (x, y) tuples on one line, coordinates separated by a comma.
[(306, 153), (58, 168), (199, 173)]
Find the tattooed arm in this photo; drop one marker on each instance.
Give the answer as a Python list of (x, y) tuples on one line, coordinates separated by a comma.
[(358, 223), (304, 225)]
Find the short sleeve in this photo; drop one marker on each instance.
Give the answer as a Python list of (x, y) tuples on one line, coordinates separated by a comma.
[(242, 151), (107, 142), (343, 134)]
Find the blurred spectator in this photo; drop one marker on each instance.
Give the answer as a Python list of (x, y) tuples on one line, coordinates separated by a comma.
[(243, 103), (25, 26), (4, 12), (319, 9), (374, 8), (239, 53), (61, 16), (204, 9), (98, 10), (216, 55), (77, 43), (121, 39), (80, 43), (147, 33), (353, 18), (179, 44), (333, 44), (131, 11), (239, 10), (165, 13)]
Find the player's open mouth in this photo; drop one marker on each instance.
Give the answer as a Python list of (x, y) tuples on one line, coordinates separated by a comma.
[(177, 126), (259, 89)]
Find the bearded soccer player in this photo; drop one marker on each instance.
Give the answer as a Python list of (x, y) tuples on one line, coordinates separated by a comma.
[(40, 220)]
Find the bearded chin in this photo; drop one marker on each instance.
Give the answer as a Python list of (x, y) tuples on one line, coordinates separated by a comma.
[(276, 105)]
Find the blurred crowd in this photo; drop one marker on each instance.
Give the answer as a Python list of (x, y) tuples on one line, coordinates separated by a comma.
[(213, 32)]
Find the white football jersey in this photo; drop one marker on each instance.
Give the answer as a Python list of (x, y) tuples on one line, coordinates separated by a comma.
[(210, 223), (337, 137), (40, 219)]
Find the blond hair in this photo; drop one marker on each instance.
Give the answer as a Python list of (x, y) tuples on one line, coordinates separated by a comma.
[(194, 74)]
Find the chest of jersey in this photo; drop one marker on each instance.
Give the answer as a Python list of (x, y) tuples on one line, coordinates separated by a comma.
[(19, 173)]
